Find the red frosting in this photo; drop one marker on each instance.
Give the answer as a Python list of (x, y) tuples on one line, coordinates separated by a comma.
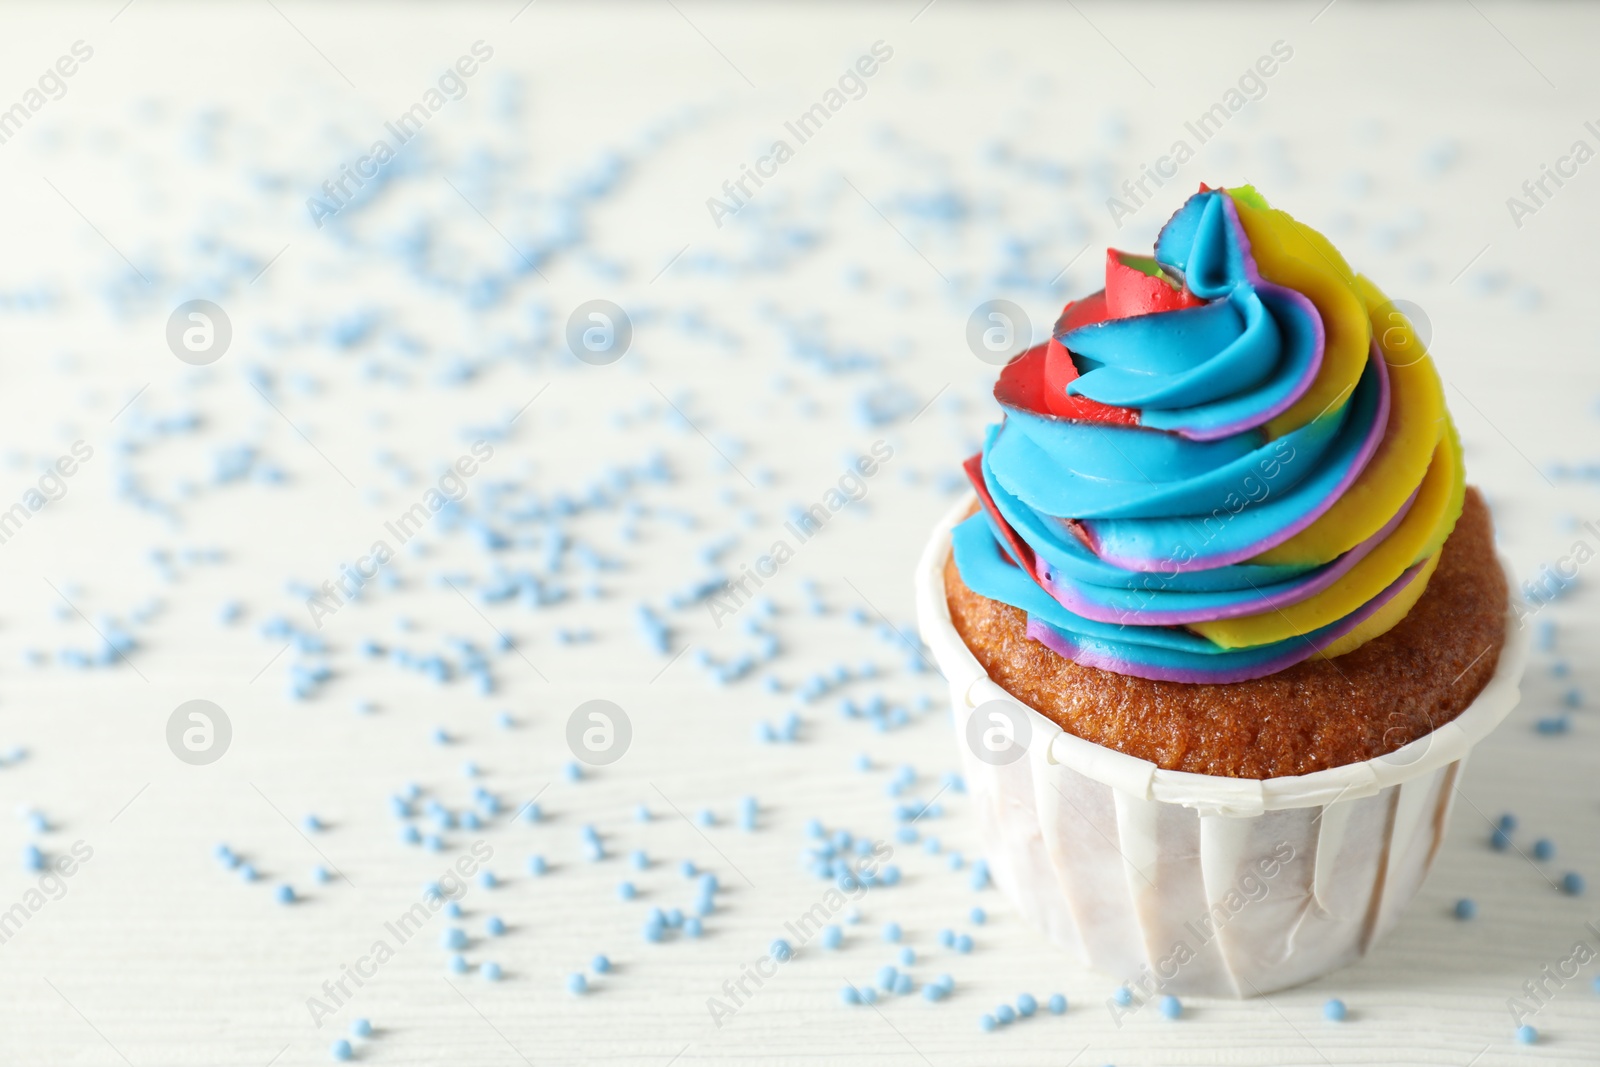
[(1037, 380), (1132, 290)]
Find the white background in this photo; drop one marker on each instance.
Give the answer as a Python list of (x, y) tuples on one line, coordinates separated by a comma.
[(178, 164)]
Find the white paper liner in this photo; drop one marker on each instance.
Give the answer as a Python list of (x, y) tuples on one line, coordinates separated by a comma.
[(1153, 876)]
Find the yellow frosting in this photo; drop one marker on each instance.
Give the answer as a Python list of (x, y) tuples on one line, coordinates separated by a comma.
[(1387, 617)]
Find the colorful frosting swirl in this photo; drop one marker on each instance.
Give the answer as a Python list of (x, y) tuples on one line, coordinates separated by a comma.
[(1233, 458)]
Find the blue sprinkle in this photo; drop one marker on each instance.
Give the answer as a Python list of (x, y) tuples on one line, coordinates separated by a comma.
[(1005, 1014), (980, 874), (458, 964), (1122, 995), (986, 1022), (781, 951), (1026, 1005), (284, 894), (850, 995), (341, 1050), (1500, 840), (687, 869), (1527, 1035), (487, 879), (1057, 1004), (33, 859), (886, 976), (626, 891), (933, 991), (978, 916), (947, 938), (322, 874), (1171, 1007), (891, 932), (361, 1028), (537, 865), (577, 984), (903, 985), (654, 930), (1508, 822), (908, 956), (1572, 883), (455, 938), (832, 937), (868, 995), (453, 909), (1466, 908), (1544, 848), (964, 943), (600, 964), (490, 971), (706, 817), (494, 926), (573, 771), (1335, 1011), (692, 927)]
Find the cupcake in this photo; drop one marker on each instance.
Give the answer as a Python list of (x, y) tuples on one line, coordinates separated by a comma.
[(1221, 618)]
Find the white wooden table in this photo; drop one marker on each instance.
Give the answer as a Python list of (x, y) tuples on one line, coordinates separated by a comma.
[(973, 163)]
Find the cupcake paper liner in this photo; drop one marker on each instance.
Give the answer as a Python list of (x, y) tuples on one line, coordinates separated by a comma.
[(1184, 883)]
